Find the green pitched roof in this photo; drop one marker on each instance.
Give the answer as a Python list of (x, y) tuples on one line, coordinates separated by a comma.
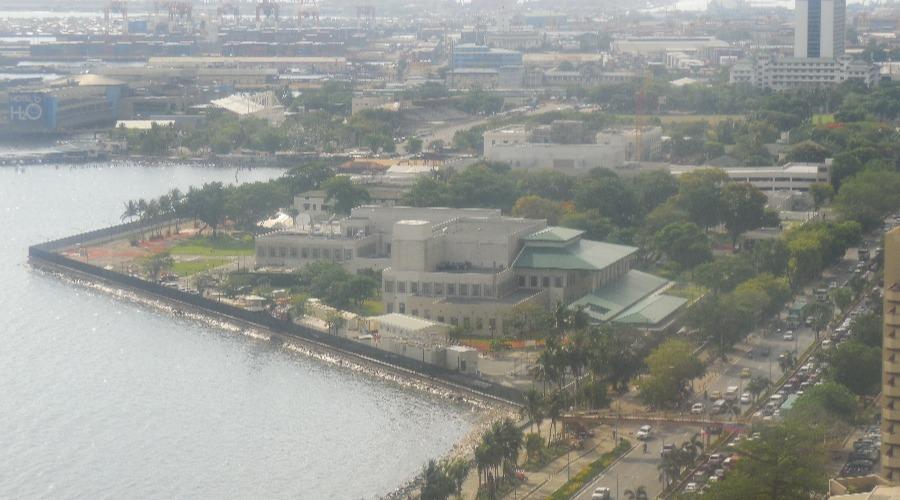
[(606, 303), (652, 310), (583, 255), (554, 234)]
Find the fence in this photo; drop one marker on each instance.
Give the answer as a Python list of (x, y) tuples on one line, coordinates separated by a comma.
[(45, 252)]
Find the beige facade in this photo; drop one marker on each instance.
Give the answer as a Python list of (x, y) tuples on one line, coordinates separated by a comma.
[(890, 389)]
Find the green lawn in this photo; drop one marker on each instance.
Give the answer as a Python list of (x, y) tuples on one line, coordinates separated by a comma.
[(822, 119), (196, 266), (220, 246)]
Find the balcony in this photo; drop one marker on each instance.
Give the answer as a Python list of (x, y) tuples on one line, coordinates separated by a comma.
[(892, 391), (893, 416), (892, 343), (892, 294), (891, 462), (892, 318), (893, 366)]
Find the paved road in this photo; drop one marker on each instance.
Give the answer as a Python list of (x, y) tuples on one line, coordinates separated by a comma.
[(637, 468)]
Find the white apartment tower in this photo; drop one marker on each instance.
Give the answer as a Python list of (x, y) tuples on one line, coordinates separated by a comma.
[(819, 30)]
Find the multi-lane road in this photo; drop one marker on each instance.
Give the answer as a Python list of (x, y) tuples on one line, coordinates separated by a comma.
[(638, 468)]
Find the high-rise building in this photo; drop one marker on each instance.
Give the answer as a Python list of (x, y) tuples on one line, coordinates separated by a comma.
[(890, 411), (820, 27)]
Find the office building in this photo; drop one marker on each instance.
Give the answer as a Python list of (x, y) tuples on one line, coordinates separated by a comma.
[(890, 380), (793, 176), (478, 270), (767, 72), (469, 55), (819, 28)]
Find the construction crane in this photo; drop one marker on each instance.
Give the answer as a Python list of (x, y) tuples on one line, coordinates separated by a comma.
[(640, 111), (229, 11), (266, 8), (365, 15), (308, 10), (119, 7), (180, 13)]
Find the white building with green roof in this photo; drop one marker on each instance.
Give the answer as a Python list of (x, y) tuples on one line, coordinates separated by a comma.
[(474, 272)]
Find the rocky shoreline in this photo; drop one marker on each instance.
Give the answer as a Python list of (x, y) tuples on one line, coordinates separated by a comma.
[(486, 409)]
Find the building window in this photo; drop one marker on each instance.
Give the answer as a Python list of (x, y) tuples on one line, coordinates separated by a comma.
[(415, 312), (558, 282), (426, 288), (522, 281), (348, 254), (388, 286), (440, 319), (479, 325), (451, 289), (466, 323), (463, 290), (545, 282), (414, 287), (439, 289), (488, 291), (390, 307), (534, 282), (401, 308), (492, 325), (271, 251), (304, 253), (315, 253), (454, 321), (326, 253), (427, 314), (401, 287), (293, 253), (476, 290)]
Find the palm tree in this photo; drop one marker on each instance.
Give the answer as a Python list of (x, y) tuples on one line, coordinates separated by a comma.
[(554, 411), (178, 206), (131, 211), (534, 408), (639, 493), (457, 470), (693, 447), (786, 361), (758, 385)]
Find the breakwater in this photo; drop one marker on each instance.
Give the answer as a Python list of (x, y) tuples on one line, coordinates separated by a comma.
[(46, 254)]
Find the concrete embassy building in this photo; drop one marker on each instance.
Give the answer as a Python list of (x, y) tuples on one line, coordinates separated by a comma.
[(890, 389), (476, 269)]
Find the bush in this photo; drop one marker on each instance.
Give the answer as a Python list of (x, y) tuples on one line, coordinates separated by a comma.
[(588, 473)]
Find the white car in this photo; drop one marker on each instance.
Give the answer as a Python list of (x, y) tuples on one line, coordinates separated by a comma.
[(691, 488), (745, 398), (697, 409), (602, 494), (644, 432), (788, 335)]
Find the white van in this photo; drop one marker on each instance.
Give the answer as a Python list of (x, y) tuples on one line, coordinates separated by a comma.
[(731, 394)]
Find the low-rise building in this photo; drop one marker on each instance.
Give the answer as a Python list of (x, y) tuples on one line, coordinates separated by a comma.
[(793, 176), (795, 72), (476, 269)]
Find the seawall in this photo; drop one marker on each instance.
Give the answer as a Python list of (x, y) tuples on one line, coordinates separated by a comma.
[(45, 255)]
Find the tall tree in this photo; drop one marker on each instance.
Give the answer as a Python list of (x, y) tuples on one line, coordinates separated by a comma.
[(743, 208), (699, 194)]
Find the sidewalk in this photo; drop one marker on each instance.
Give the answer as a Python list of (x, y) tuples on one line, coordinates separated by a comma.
[(543, 483)]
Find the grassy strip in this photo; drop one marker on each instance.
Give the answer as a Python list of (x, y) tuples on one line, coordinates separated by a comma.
[(196, 266), (220, 246), (588, 473)]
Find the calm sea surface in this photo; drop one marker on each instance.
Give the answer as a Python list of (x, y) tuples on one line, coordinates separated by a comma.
[(101, 398)]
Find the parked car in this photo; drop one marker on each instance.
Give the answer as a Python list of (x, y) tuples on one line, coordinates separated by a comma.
[(644, 432), (788, 336), (697, 409), (602, 494), (745, 373), (745, 398), (691, 488)]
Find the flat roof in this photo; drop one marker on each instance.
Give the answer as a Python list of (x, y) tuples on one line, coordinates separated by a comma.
[(405, 321)]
